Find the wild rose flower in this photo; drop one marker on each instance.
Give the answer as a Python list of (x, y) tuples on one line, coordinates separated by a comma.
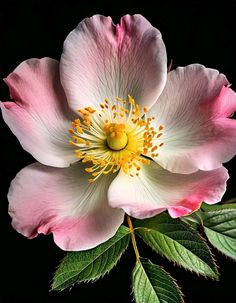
[(139, 141)]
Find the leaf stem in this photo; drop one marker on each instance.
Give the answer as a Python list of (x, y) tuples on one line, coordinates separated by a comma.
[(133, 238), (195, 217)]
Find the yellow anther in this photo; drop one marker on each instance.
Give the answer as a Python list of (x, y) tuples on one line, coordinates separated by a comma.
[(78, 153), (78, 140), (72, 143), (90, 110), (95, 174), (91, 180), (79, 129), (115, 137), (83, 111), (131, 100), (145, 151), (154, 148)]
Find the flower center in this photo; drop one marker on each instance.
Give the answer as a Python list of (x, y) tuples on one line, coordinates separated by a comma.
[(116, 137), (119, 135)]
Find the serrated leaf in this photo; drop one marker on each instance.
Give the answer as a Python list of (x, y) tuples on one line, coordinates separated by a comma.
[(207, 207), (92, 264), (220, 229), (152, 284), (190, 221), (178, 242)]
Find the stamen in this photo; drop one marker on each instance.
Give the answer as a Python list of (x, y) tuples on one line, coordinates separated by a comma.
[(116, 136)]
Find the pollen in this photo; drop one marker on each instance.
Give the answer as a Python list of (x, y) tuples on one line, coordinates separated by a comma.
[(119, 134)]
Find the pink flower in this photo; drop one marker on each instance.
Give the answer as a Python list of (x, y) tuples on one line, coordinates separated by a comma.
[(141, 141)]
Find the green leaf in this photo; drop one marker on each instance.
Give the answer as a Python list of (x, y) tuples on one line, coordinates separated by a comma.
[(194, 219), (91, 264), (178, 242), (151, 284), (220, 228), (207, 207)]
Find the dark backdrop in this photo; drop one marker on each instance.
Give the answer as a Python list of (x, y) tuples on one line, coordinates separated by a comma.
[(193, 31)]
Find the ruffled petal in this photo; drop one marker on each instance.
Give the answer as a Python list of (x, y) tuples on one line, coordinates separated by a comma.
[(40, 116), (156, 190), (102, 60), (194, 108), (61, 201)]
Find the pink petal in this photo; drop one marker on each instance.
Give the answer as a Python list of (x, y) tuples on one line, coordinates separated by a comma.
[(61, 201), (102, 60), (39, 117), (156, 189), (194, 108)]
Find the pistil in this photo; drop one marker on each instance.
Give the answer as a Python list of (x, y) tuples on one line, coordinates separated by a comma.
[(116, 136), (119, 135)]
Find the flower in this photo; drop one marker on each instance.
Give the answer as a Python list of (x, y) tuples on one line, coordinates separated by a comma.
[(114, 133)]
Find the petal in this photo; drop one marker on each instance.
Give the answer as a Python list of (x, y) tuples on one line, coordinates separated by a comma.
[(64, 203), (40, 115), (194, 108), (102, 60), (157, 189)]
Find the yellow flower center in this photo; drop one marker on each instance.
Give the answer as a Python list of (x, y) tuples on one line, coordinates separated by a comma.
[(116, 136), (119, 135)]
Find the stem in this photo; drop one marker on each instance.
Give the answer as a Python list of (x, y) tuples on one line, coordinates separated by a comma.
[(195, 217), (133, 238)]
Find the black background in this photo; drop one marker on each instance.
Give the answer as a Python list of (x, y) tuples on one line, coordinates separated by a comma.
[(194, 32)]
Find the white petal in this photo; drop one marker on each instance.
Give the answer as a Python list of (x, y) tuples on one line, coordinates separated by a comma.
[(194, 108), (61, 201), (40, 116), (156, 190), (102, 60)]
